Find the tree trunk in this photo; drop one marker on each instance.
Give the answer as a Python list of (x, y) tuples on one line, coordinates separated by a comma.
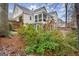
[(3, 18), (77, 20), (66, 14)]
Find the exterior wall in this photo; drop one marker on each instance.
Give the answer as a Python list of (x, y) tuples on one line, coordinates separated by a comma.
[(26, 19), (55, 17), (39, 12), (50, 25), (17, 12), (17, 19), (61, 24)]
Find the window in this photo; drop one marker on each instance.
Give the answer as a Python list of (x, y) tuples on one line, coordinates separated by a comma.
[(30, 17), (44, 17), (35, 18), (40, 17)]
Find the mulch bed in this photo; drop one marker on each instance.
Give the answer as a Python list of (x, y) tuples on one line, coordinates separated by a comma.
[(13, 46)]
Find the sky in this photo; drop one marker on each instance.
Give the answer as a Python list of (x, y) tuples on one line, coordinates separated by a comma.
[(58, 7)]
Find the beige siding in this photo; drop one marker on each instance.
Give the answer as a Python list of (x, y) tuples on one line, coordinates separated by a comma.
[(17, 12), (17, 19), (26, 19), (39, 12)]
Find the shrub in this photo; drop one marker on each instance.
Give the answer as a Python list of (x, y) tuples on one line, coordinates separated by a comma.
[(40, 41), (22, 31), (10, 26), (71, 38), (69, 43)]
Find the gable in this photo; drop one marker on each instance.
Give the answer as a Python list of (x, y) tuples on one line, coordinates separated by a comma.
[(17, 11), (39, 10)]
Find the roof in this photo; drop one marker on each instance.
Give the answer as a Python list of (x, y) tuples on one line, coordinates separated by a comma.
[(25, 10), (61, 21), (53, 12), (49, 15), (40, 9)]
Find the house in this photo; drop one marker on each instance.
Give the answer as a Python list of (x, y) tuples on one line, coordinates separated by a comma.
[(60, 23), (35, 17)]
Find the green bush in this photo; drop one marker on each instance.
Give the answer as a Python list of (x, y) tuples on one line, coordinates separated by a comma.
[(10, 26), (38, 41), (71, 38), (22, 31), (69, 43)]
